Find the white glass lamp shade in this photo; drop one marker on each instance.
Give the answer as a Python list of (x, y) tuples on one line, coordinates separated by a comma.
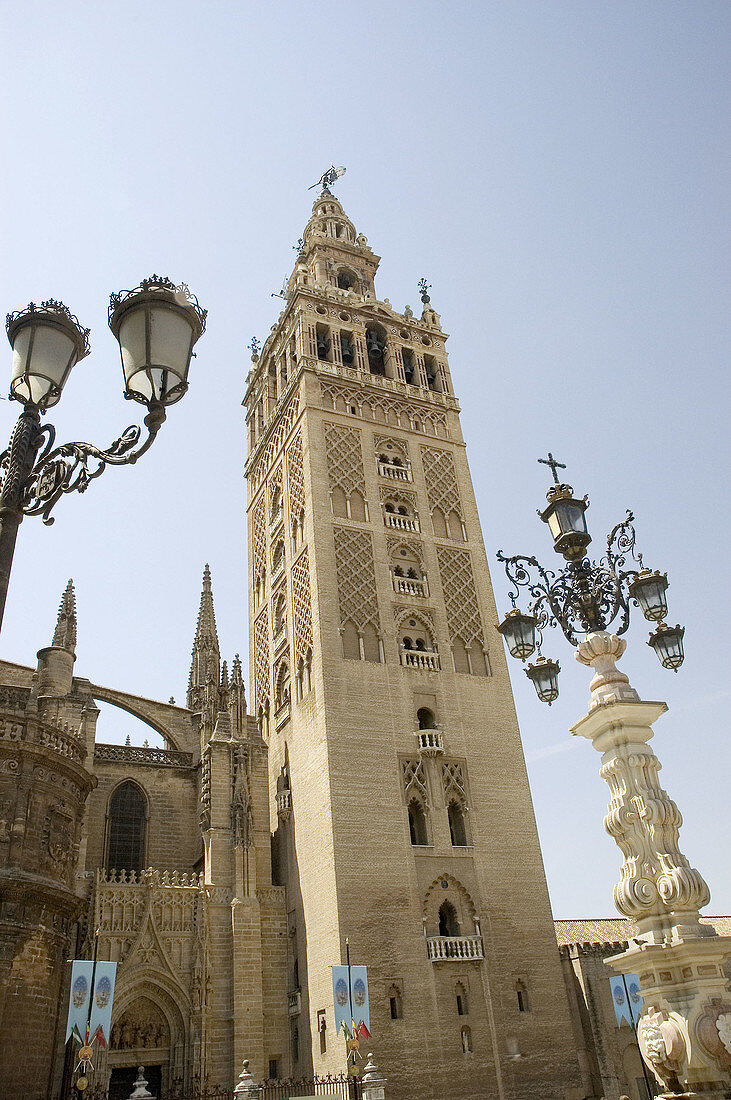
[(519, 632), (667, 641), (156, 326), (544, 677), (649, 590), (47, 341)]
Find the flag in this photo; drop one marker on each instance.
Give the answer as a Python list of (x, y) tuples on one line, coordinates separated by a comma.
[(99, 1036), (619, 997), (102, 1000), (345, 1031), (78, 1038), (79, 996), (363, 1031)]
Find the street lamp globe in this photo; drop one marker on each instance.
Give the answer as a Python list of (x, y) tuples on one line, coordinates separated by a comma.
[(157, 325), (519, 632), (566, 521), (667, 641), (544, 677), (47, 340), (649, 590)]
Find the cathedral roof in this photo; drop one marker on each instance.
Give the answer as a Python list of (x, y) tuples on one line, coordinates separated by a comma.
[(605, 930)]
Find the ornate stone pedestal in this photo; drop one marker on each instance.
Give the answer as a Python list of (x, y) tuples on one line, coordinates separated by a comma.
[(685, 1028)]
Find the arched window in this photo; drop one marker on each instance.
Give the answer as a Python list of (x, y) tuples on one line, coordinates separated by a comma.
[(322, 334), (280, 613), (395, 1003), (426, 719), (522, 994), (457, 831), (407, 357), (351, 641), (281, 696), (448, 923), (127, 828), (460, 656), (278, 558), (463, 1007), (466, 1040), (346, 348), (417, 823), (376, 348), (346, 279)]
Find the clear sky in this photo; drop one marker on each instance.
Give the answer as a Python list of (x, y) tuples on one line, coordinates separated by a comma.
[(559, 173)]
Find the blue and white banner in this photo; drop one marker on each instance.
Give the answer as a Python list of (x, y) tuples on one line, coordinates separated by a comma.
[(626, 998), (101, 1007), (350, 997), (79, 997)]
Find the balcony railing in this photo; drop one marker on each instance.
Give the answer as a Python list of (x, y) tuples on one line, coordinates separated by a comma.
[(284, 804), (294, 1002), (401, 523), (282, 715), (417, 658), (408, 586), (276, 517), (454, 948), (394, 472), (277, 567), (431, 742), (137, 754)]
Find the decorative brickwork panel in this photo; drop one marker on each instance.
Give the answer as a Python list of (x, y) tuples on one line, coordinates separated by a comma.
[(259, 536), (295, 478), (275, 491), (344, 458), (261, 658), (356, 576), (302, 605), (460, 596), (414, 778), (441, 481), (453, 782), (384, 409), (286, 419)]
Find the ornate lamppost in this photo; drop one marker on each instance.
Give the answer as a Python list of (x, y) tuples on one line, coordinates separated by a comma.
[(684, 1031), (156, 325)]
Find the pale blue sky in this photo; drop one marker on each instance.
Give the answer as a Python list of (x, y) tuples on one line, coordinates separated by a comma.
[(557, 170)]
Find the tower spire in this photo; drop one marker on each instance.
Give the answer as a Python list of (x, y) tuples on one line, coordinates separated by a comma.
[(64, 636), (206, 663)]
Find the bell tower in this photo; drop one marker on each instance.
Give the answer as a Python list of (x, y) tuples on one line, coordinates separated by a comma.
[(404, 817)]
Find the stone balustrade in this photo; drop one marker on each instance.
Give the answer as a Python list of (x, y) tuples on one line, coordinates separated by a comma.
[(395, 473), (454, 948), (409, 586), (418, 658), (294, 1002), (60, 739), (139, 754), (284, 803), (431, 742), (401, 523)]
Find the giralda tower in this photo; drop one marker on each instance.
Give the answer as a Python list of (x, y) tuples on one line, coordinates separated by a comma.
[(404, 817)]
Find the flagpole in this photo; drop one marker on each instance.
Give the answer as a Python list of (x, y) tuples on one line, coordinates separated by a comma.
[(93, 983), (648, 1086)]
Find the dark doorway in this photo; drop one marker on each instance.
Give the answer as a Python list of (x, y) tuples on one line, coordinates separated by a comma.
[(123, 1079)]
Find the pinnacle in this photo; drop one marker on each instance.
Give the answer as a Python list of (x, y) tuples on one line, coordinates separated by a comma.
[(205, 646), (64, 636)]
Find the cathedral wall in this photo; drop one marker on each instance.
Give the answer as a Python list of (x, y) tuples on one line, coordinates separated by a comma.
[(173, 833)]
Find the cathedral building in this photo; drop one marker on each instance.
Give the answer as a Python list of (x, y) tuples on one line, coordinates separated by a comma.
[(377, 793)]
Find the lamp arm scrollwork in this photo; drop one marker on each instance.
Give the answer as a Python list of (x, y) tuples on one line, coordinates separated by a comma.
[(72, 466)]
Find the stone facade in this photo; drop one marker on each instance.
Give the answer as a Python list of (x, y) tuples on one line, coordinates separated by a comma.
[(191, 916), (608, 1053), (380, 687)]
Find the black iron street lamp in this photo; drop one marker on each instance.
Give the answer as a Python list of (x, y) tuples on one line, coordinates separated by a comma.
[(157, 325), (585, 596)]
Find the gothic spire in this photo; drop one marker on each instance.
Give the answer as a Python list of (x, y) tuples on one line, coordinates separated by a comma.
[(205, 666), (64, 636)]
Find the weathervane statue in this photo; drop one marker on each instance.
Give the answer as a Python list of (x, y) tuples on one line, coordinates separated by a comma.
[(332, 175)]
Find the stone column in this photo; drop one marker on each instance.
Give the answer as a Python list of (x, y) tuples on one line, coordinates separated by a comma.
[(685, 1028)]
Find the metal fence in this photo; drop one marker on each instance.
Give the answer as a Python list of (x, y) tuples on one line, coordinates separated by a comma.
[(340, 1085)]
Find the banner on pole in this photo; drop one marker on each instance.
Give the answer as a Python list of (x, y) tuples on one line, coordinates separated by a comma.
[(350, 997), (101, 1006), (626, 998), (79, 997)]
